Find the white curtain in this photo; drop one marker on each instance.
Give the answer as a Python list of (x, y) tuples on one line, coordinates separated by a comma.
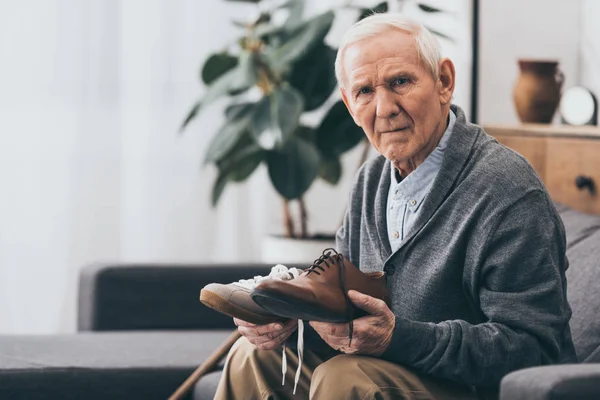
[(92, 93), (92, 169)]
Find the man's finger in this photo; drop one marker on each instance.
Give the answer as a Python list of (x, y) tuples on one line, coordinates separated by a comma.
[(367, 303), (272, 327), (240, 322), (290, 323), (330, 329), (267, 346), (287, 329), (276, 338)]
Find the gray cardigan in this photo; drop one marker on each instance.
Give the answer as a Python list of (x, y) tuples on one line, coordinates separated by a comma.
[(478, 285)]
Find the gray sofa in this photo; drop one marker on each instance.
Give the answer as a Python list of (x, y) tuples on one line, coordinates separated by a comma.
[(580, 381), (142, 332), (577, 381)]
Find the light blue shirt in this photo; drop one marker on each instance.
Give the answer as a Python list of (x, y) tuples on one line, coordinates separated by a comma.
[(405, 197)]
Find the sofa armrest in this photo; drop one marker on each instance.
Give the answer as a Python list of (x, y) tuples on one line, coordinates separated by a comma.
[(153, 296), (567, 381)]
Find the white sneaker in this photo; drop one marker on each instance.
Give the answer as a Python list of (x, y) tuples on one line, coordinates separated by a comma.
[(233, 299)]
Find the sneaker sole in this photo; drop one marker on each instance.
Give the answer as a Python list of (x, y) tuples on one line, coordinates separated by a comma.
[(222, 305), (296, 309)]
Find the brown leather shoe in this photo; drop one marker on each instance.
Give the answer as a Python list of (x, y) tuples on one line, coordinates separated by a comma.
[(233, 299), (320, 293)]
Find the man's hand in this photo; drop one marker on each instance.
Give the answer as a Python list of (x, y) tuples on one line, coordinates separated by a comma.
[(372, 334), (266, 337)]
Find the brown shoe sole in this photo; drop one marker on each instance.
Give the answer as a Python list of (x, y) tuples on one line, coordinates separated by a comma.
[(295, 309), (222, 305)]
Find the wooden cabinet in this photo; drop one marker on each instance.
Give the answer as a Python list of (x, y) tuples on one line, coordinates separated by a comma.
[(566, 158)]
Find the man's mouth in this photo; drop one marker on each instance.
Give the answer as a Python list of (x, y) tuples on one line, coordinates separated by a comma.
[(395, 130)]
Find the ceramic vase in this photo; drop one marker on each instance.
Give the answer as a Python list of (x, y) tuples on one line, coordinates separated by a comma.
[(537, 90)]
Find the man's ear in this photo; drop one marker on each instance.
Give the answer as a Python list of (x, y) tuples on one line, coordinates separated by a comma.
[(446, 80), (347, 103)]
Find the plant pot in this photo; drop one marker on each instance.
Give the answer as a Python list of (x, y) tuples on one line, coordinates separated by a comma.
[(537, 90), (282, 250)]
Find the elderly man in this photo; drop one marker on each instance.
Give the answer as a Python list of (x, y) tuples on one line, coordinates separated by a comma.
[(472, 246)]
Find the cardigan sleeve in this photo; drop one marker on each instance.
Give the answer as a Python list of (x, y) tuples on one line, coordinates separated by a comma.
[(522, 293)]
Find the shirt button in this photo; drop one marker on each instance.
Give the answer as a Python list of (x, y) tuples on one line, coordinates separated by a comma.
[(396, 235), (413, 202)]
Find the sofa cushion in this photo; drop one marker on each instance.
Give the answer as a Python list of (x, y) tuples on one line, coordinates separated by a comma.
[(103, 365), (583, 275), (555, 382), (578, 225), (154, 296), (206, 388)]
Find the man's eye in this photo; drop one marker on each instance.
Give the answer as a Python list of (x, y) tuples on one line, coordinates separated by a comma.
[(364, 90), (399, 81)]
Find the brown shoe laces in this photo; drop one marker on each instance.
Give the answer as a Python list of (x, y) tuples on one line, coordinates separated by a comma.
[(327, 259)]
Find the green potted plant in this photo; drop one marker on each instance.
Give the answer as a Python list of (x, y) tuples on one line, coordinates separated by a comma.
[(293, 68)]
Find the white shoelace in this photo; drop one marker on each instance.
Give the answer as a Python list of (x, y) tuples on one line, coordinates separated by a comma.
[(300, 357), (279, 271)]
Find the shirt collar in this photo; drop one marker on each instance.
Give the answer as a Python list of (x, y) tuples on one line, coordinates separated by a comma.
[(416, 185)]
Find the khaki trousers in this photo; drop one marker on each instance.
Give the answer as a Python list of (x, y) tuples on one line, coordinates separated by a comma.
[(252, 374)]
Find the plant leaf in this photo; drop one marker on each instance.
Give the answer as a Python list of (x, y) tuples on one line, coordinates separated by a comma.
[(378, 9), (246, 73), (237, 165), (245, 166), (216, 65), (265, 131), (293, 168), (266, 29), (263, 18), (239, 24), (306, 133), (230, 133), (191, 115), (296, 8), (440, 34), (330, 170), (276, 117), (338, 133), (289, 105), (302, 39), (245, 147), (233, 109), (291, 3), (314, 76), (218, 188), (429, 9), (217, 89)]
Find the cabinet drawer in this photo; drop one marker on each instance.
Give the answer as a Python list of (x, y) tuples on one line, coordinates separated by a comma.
[(566, 160)]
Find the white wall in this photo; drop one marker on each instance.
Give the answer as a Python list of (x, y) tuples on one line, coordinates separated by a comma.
[(590, 46), (91, 166), (513, 29)]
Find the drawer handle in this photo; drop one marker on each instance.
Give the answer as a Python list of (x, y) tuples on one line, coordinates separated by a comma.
[(585, 182)]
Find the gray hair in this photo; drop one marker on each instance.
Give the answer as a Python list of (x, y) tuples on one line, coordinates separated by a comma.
[(428, 48)]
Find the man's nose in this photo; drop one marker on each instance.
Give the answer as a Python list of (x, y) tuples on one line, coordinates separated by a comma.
[(387, 106)]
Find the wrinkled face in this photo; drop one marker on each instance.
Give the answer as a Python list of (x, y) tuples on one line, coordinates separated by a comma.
[(393, 97)]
